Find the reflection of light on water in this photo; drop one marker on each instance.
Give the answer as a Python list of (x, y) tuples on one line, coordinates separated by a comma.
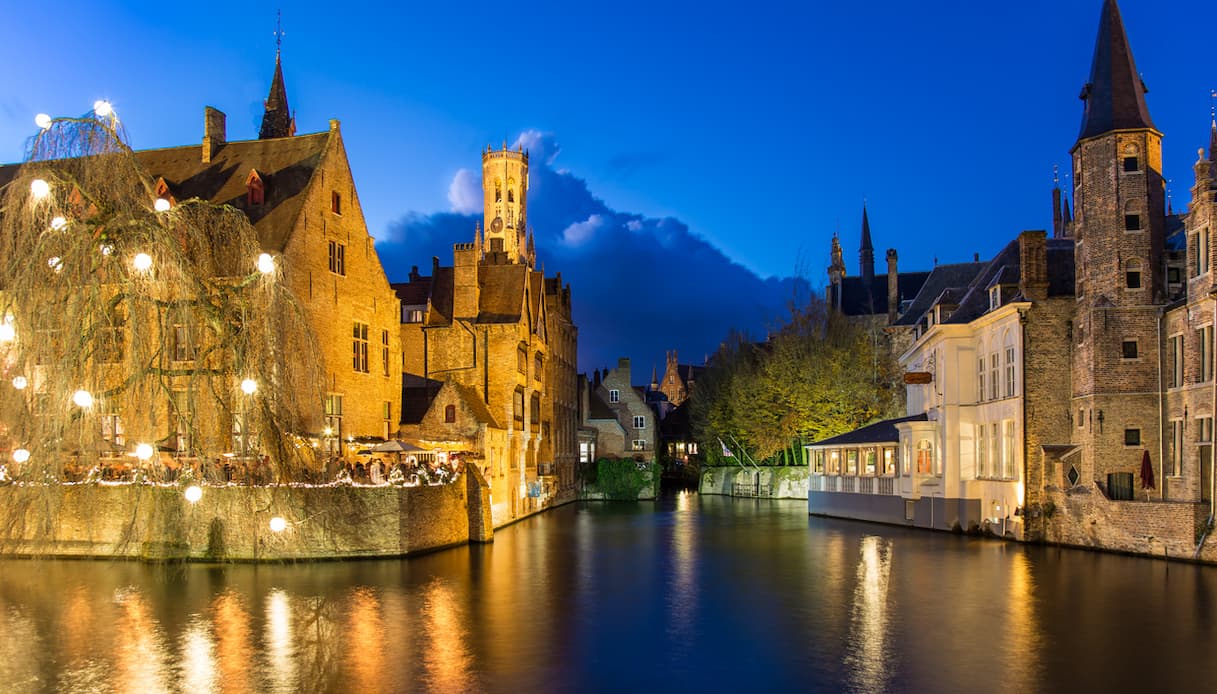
[(445, 657), (232, 630), (198, 657), (365, 640), (682, 594), (279, 639), (18, 638), (77, 637), (867, 657), (139, 657), (1020, 635)]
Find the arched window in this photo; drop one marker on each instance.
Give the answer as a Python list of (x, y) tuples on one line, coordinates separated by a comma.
[(1132, 274), (450, 414)]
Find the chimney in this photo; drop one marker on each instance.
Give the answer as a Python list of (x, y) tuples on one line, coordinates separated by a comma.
[(214, 132), (893, 287), (465, 289), (1033, 265)]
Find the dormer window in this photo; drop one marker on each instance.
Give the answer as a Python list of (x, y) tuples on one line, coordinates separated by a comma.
[(994, 297), (255, 190)]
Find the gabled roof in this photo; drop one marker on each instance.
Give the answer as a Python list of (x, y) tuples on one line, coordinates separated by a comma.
[(862, 298), (416, 292), (284, 165), (879, 432), (942, 277), (481, 412), (597, 408), (417, 394), (1115, 94), (501, 296)]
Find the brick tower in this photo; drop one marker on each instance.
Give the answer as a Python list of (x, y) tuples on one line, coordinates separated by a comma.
[(505, 200), (1118, 229)]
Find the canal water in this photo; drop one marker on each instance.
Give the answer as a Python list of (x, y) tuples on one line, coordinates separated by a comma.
[(689, 593)]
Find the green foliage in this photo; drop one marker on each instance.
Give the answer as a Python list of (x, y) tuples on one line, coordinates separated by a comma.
[(819, 375), (623, 479)]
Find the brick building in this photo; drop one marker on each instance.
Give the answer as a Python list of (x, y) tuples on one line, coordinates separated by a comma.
[(617, 410), (300, 197), (1107, 375), (494, 325)]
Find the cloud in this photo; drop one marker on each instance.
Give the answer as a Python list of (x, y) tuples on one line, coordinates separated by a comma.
[(578, 233), (640, 285), (465, 192)]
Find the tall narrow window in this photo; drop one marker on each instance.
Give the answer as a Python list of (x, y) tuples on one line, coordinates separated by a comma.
[(1205, 353), (1202, 252), (384, 350), (335, 202), (982, 452), (980, 380), (925, 457), (1132, 274), (1009, 372), (614, 396), (994, 384), (449, 414), (359, 347), (995, 449), (1175, 353), (1175, 454), (1007, 456)]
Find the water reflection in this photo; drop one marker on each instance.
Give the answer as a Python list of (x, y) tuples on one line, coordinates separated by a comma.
[(868, 657), (690, 593)]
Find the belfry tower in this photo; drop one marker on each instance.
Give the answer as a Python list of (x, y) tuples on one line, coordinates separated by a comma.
[(1118, 230), (505, 200)]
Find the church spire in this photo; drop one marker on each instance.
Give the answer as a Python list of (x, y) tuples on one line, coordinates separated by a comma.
[(866, 253), (1213, 126), (277, 119), (1115, 94)]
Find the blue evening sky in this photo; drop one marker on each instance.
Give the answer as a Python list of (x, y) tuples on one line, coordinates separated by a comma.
[(757, 127)]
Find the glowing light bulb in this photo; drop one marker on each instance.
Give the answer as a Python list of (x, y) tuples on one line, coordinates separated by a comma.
[(42, 120), (144, 451), (193, 493), (103, 108), (55, 263), (7, 332), (21, 455), (58, 223), (107, 249), (19, 382), (142, 262), (39, 188), (82, 398), (249, 386), (161, 205), (329, 431), (277, 524), (266, 264)]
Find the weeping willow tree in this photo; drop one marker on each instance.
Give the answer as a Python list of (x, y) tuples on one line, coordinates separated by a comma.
[(139, 332)]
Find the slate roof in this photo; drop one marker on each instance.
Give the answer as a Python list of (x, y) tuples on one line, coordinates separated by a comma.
[(1006, 267), (598, 408), (416, 292), (879, 432), (862, 298), (481, 411), (942, 277), (417, 394), (285, 165), (1115, 95)]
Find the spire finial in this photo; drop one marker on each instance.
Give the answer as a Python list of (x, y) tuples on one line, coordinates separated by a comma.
[(1056, 176), (278, 32), (1169, 194)]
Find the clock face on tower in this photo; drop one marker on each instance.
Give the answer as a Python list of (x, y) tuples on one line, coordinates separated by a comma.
[(497, 225)]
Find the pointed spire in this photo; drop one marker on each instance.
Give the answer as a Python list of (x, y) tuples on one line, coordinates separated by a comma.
[(1115, 94), (866, 253), (1057, 221), (277, 118), (1213, 126), (1067, 213)]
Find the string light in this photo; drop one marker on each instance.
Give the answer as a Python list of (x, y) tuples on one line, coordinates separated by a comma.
[(55, 263), (42, 120), (19, 382), (142, 262), (106, 249), (249, 386), (58, 223), (161, 205), (193, 493), (40, 189), (21, 455), (7, 332), (83, 398), (277, 524), (266, 264), (144, 451)]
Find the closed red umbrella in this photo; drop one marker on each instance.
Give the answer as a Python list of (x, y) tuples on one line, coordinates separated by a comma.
[(1147, 474)]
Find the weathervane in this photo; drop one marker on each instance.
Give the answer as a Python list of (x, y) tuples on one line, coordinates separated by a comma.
[(278, 31)]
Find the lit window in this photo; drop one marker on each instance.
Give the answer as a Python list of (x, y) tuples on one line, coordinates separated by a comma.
[(851, 461), (1009, 372), (870, 461), (640, 444), (384, 350), (412, 315), (925, 457)]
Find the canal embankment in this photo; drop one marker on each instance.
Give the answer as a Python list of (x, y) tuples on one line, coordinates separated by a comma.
[(765, 481)]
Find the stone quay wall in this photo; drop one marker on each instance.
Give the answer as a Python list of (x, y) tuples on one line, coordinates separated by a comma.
[(772, 482), (1085, 517), (233, 523)]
